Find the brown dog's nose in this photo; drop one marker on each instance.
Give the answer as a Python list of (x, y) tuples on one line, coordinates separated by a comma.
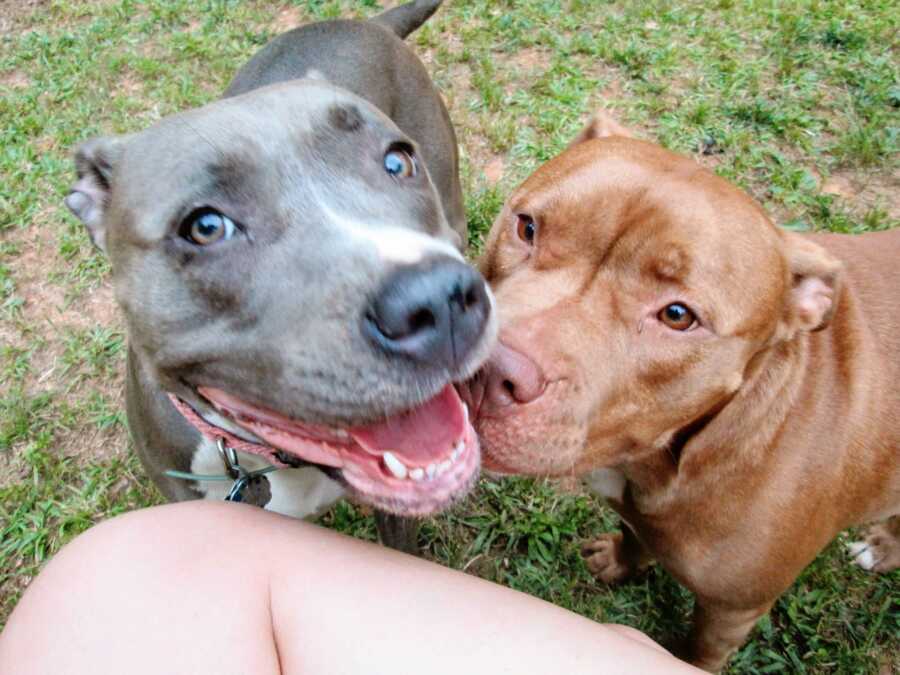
[(510, 377)]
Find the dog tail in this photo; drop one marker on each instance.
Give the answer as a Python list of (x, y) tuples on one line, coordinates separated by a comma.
[(404, 19)]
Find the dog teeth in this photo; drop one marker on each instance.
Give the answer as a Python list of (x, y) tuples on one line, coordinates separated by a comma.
[(341, 433), (400, 471), (394, 465), (466, 414)]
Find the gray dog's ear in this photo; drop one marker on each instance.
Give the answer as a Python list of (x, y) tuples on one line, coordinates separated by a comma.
[(816, 278), (601, 125), (95, 162)]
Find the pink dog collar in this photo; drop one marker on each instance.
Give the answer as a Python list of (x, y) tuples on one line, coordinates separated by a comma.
[(215, 433)]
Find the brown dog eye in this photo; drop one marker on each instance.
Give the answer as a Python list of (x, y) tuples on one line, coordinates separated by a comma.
[(526, 229), (677, 317), (207, 226), (399, 163)]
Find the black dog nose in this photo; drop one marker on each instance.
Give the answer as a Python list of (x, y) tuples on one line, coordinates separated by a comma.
[(433, 312)]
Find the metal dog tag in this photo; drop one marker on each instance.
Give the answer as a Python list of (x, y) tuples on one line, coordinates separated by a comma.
[(250, 489)]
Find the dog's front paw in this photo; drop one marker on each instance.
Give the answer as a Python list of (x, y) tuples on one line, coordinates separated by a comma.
[(880, 552), (606, 560)]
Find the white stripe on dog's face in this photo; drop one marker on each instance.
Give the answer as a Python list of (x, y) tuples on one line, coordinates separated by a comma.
[(398, 245)]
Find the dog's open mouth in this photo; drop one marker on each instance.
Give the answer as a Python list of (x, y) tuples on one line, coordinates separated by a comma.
[(415, 463)]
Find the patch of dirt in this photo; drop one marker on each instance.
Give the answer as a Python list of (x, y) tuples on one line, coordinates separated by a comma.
[(484, 164), (14, 79), (839, 186), (493, 171), (131, 85), (45, 301), (613, 98), (450, 42), (459, 97), (92, 442), (287, 19), (708, 156), (11, 470), (48, 144), (474, 148), (460, 94), (861, 192), (530, 59), (15, 15), (46, 318), (13, 12), (613, 89), (779, 213), (889, 665)]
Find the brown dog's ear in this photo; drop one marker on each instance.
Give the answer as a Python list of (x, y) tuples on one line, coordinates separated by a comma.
[(816, 285), (601, 125), (95, 162)]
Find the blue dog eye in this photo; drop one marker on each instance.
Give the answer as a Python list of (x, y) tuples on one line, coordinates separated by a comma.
[(208, 227), (399, 163)]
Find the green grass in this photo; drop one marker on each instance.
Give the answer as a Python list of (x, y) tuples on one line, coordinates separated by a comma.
[(787, 100)]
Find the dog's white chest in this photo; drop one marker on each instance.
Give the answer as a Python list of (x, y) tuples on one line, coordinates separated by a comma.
[(299, 493), (608, 483)]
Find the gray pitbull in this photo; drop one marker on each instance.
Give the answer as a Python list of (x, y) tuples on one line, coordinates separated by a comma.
[(288, 263)]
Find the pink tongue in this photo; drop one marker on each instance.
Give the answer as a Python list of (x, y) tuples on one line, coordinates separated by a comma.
[(421, 435)]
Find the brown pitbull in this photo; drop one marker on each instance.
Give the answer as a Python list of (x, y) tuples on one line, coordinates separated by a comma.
[(731, 388)]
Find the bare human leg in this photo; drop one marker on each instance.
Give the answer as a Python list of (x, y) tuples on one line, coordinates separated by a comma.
[(207, 587)]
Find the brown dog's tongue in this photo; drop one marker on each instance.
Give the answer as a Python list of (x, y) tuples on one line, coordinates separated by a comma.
[(421, 435)]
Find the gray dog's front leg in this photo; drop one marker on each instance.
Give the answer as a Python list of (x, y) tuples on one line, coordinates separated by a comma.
[(398, 532)]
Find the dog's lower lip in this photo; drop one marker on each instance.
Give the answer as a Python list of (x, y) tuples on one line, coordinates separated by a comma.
[(415, 463)]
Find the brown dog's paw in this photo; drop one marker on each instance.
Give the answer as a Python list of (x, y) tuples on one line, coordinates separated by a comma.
[(605, 560), (880, 552)]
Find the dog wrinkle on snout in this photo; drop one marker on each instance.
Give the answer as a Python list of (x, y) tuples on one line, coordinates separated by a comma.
[(345, 117), (670, 264)]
